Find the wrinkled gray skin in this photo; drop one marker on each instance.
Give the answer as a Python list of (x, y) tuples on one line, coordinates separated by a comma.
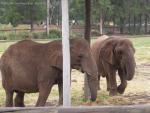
[(29, 67), (112, 55)]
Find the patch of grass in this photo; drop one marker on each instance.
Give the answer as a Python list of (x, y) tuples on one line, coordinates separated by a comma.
[(4, 45), (141, 42), (103, 95), (142, 46)]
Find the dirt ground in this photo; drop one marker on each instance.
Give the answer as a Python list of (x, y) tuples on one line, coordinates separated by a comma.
[(137, 91), (141, 86)]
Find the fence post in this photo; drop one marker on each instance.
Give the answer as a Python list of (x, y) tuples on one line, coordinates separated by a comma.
[(47, 21), (66, 54)]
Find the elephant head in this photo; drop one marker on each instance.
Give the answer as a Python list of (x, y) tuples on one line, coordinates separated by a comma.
[(120, 53), (81, 59)]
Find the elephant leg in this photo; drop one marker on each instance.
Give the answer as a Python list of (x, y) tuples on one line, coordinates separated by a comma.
[(9, 98), (108, 84), (19, 100), (60, 88), (99, 77), (112, 83), (44, 91), (123, 85)]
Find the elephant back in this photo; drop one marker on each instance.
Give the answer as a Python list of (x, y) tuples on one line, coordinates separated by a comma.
[(96, 48)]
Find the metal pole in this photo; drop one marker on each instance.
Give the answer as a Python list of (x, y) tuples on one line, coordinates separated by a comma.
[(66, 54), (47, 20)]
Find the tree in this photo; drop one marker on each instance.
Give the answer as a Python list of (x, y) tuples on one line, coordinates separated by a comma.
[(24, 11), (10, 14), (146, 13), (55, 11), (77, 10), (32, 11), (102, 8)]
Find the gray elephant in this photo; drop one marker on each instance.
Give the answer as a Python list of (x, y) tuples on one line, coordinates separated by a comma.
[(29, 67), (114, 54)]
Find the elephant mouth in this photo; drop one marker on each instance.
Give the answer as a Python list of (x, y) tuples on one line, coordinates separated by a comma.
[(78, 67)]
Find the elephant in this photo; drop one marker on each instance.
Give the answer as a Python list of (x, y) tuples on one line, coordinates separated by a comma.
[(29, 67), (114, 54)]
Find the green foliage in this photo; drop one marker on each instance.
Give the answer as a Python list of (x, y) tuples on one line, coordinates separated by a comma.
[(54, 34), (14, 18), (119, 12), (14, 36), (22, 11), (38, 35), (77, 10), (101, 8), (55, 11)]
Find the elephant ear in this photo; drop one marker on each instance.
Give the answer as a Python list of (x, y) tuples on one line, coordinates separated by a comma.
[(56, 61), (107, 53)]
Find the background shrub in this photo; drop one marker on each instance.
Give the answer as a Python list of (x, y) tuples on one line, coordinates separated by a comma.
[(54, 34), (18, 36), (39, 35)]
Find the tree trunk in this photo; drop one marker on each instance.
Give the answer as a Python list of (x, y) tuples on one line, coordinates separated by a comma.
[(121, 25), (101, 24), (140, 23), (32, 15), (32, 26), (114, 25), (31, 20), (134, 21), (47, 19), (87, 35), (146, 22), (129, 22), (146, 18)]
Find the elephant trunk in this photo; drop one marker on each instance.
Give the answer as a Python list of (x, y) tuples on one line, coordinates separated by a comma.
[(93, 87), (129, 68), (90, 68)]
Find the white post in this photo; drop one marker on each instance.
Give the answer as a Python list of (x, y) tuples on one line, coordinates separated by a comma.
[(66, 54), (47, 20)]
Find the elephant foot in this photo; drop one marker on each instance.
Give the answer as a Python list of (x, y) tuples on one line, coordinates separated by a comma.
[(19, 105), (108, 89), (112, 92), (120, 89)]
